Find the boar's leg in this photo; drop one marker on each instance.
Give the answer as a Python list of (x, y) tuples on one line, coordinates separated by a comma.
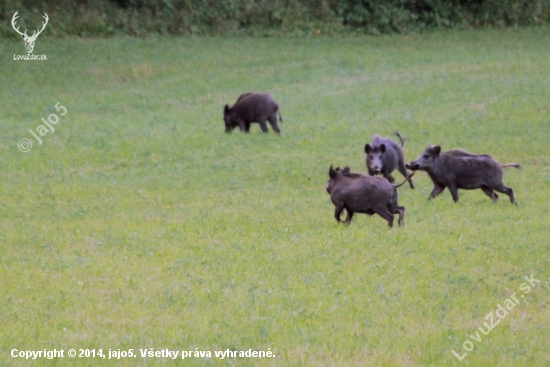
[(242, 125), (454, 192), (273, 122), (506, 190), (263, 125), (403, 170), (396, 209), (436, 191), (389, 177), (401, 211), (349, 216), (247, 126), (490, 193), (338, 211), (387, 216)]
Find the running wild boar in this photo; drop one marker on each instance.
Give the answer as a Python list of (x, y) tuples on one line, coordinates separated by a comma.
[(384, 156), (357, 192), (458, 169), (252, 107)]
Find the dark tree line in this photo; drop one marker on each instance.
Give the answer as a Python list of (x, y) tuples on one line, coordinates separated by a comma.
[(265, 17)]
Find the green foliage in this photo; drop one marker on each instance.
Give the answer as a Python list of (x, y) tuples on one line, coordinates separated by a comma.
[(264, 17), (139, 223), (403, 16)]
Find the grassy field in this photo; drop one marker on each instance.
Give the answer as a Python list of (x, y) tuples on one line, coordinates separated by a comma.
[(140, 224)]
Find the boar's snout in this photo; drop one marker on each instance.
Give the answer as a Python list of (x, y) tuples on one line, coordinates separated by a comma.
[(375, 164), (375, 167), (413, 166)]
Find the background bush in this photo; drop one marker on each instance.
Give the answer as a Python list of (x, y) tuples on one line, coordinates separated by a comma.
[(266, 17)]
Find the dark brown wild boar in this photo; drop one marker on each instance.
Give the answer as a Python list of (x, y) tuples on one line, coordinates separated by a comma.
[(252, 107), (458, 169), (357, 192), (385, 156)]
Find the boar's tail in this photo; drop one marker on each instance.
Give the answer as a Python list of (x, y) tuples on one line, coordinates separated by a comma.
[(518, 166), (279, 113), (400, 138), (406, 179)]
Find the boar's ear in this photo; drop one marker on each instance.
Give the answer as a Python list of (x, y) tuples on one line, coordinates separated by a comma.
[(367, 148), (436, 150), (383, 148), (346, 171), (331, 172), (226, 110)]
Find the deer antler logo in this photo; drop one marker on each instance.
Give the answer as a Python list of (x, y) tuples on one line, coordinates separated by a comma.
[(29, 40)]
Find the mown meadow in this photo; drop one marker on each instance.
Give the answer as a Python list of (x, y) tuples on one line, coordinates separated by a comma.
[(138, 223)]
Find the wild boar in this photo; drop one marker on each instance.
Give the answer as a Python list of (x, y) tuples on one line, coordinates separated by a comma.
[(458, 169), (252, 107), (357, 192), (384, 156)]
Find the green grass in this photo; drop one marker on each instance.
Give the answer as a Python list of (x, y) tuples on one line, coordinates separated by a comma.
[(139, 224)]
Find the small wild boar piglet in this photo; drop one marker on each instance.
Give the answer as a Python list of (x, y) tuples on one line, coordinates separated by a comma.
[(252, 107), (385, 156), (357, 192), (458, 169)]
